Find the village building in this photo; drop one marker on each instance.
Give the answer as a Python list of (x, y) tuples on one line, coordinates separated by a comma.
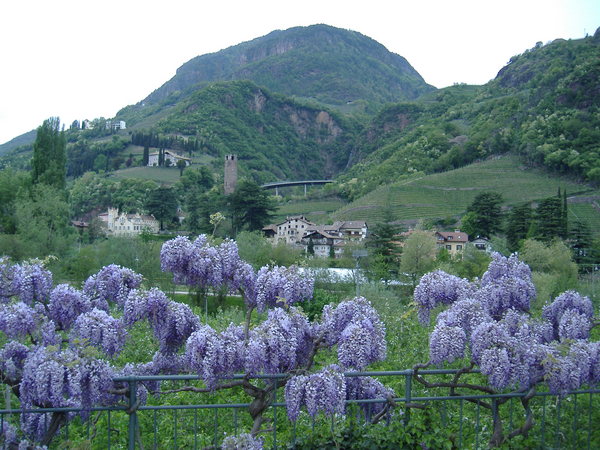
[(298, 231), (354, 230), (290, 231), (453, 241), (122, 224), (116, 125), (170, 156), (482, 244), (324, 243)]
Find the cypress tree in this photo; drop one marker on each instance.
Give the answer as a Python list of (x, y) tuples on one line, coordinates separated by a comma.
[(518, 225), (549, 218), (49, 162)]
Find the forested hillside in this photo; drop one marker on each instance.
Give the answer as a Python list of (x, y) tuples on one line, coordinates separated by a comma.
[(274, 137), (544, 105), (330, 65), (300, 116)]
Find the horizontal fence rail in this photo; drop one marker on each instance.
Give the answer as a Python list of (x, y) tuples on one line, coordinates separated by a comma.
[(177, 421)]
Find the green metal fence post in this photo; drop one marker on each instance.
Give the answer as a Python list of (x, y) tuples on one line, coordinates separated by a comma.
[(407, 395), (132, 414)]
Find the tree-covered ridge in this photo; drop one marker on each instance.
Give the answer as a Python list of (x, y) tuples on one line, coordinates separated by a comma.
[(544, 105), (332, 65), (275, 137)]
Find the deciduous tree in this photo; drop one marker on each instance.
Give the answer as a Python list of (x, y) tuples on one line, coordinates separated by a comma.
[(418, 254), (162, 203)]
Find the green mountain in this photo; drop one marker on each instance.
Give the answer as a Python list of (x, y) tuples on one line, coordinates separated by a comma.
[(274, 136), (287, 104), (543, 106), (332, 66)]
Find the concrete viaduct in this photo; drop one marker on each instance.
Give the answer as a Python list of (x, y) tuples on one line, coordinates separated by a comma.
[(304, 183)]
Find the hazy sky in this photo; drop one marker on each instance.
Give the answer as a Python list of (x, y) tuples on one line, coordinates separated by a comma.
[(79, 60)]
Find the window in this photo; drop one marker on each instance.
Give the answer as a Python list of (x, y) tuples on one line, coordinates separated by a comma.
[(459, 247), (448, 247)]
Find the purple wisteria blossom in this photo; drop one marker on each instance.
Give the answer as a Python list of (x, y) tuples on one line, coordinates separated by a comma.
[(574, 325), (8, 434), (281, 343), (54, 378), (361, 388), (500, 295), (502, 267), (467, 314), (575, 306), (171, 322), (491, 323), (17, 320), (205, 354), (101, 330), (111, 284), (323, 391), (496, 364), (355, 327), (176, 256), (201, 265), (281, 286), (66, 304), (566, 368), (436, 288), (7, 288), (244, 441), (31, 282), (446, 344), (12, 359)]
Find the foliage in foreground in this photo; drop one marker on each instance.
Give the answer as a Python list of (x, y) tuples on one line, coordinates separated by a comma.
[(62, 343), (488, 324)]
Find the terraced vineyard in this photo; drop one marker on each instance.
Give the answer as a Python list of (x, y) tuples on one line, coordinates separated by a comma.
[(317, 211), (448, 194)]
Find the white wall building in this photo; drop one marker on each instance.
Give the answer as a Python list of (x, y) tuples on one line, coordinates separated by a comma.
[(128, 224), (170, 156)]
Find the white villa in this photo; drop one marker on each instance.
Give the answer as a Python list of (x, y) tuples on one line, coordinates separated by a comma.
[(170, 156), (116, 125), (128, 224)]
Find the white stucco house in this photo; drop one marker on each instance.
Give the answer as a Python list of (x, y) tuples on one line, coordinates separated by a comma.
[(170, 156), (122, 224)]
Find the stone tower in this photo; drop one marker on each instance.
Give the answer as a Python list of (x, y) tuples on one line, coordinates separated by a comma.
[(230, 177)]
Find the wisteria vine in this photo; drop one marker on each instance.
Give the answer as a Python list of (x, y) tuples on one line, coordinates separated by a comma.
[(488, 323), (62, 342)]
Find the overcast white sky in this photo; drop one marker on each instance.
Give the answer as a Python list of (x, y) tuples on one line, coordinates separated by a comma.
[(76, 59)]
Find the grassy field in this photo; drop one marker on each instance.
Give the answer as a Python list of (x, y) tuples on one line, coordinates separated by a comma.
[(166, 175), (448, 194)]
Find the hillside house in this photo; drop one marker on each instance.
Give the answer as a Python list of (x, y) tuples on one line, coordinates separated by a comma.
[(116, 125), (122, 224), (482, 244), (298, 230), (290, 231), (354, 230), (323, 242), (453, 241), (170, 156)]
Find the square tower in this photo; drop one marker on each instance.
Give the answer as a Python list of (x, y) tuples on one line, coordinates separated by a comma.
[(230, 178)]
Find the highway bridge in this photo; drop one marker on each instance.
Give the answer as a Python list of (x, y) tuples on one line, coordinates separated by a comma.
[(278, 184)]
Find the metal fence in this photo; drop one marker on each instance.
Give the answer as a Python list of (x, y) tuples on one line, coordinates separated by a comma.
[(459, 418)]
